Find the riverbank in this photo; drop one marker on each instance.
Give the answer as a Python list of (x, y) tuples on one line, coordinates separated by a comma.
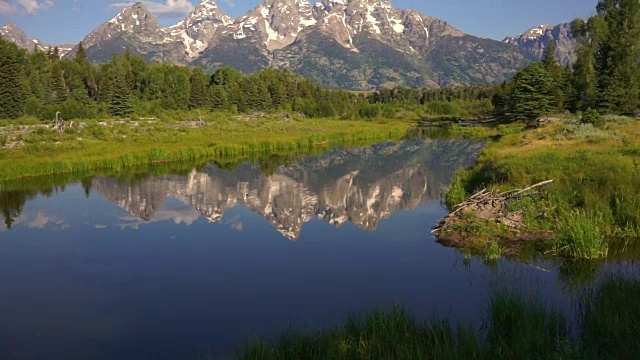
[(594, 197), (37, 150), (514, 327)]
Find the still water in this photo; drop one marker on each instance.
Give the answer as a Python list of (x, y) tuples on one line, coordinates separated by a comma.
[(181, 266)]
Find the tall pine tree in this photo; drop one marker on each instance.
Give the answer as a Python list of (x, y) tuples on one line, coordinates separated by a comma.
[(618, 56), (12, 94), (199, 91)]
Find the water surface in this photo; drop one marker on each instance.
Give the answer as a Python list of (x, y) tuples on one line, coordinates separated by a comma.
[(179, 266)]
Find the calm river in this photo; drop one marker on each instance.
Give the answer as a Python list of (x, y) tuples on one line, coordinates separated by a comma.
[(184, 266)]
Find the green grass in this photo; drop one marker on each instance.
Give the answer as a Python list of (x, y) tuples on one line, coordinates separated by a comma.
[(493, 252), (579, 236), (610, 320), (115, 146), (514, 327), (595, 171)]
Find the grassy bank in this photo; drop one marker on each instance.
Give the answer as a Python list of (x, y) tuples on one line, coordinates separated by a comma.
[(33, 150), (514, 327), (594, 199)]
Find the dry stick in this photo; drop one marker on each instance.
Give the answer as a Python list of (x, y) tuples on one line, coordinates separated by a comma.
[(478, 194), (532, 187)]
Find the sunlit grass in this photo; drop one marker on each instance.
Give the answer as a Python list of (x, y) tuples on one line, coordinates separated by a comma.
[(117, 145), (595, 171)]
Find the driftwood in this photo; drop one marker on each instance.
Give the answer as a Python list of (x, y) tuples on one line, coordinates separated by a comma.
[(59, 123), (200, 120), (491, 206)]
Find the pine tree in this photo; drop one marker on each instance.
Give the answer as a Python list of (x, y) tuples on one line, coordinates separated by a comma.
[(531, 93), (618, 55), (81, 55), (54, 55), (218, 98), (556, 77), (119, 103), (56, 87), (198, 95), (12, 94)]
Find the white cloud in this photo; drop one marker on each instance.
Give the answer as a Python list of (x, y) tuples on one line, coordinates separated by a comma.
[(12, 7), (7, 8), (170, 8)]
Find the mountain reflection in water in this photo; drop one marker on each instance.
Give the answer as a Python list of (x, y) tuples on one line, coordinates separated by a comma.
[(361, 186)]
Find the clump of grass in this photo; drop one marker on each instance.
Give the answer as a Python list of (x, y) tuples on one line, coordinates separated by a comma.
[(493, 252), (515, 326), (523, 329), (579, 236), (390, 334), (456, 194), (610, 324)]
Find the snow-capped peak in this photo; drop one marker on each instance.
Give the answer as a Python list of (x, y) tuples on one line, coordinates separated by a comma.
[(198, 28), (135, 18)]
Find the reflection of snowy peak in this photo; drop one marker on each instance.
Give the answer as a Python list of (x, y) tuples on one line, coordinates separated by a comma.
[(361, 186)]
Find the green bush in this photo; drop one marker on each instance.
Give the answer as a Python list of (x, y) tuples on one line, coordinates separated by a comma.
[(593, 117)]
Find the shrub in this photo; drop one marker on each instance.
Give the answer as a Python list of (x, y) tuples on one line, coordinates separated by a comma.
[(593, 117)]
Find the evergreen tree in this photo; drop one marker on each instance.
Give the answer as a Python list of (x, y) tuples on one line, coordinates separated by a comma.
[(531, 93), (618, 56), (56, 87), (116, 87), (583, 80), (81, 55), (218, 98), (556, 77), (198, 95), (12, 94), (55, 54)]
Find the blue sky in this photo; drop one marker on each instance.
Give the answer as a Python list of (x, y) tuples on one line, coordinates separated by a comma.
[(68, 21)]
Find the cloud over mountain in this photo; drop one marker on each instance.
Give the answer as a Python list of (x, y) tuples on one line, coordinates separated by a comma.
[(11, 7)]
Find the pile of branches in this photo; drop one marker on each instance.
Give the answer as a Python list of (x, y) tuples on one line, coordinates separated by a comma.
[(491, 206)]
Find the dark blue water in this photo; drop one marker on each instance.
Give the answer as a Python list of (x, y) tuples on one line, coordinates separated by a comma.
[(179, 266)]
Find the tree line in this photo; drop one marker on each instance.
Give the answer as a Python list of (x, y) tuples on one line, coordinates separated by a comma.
[(604, 78), (38, 84)]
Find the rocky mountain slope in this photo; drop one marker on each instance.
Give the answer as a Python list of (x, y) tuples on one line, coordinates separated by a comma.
[(351, 44), (536, 41), (361, 186), (14, 34)]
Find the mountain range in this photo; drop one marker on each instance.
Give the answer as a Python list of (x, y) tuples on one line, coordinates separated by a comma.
[(14, 34), (350, 44)]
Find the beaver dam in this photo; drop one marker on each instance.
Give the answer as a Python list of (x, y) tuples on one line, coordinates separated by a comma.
[(490, 208)]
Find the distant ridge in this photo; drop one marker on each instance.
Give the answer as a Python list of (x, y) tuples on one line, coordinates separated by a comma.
[(350, 44)]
